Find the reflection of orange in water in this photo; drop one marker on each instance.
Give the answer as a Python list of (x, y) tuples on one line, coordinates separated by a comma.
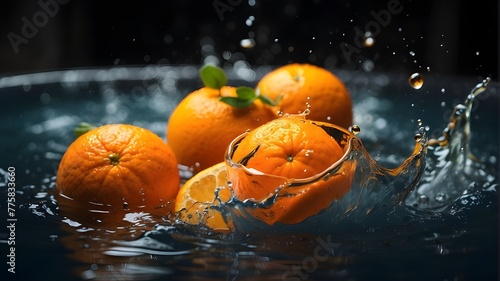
[(287, 150), (92, 230), (119, 167), (91, 241), (306, 86), (201, 126)]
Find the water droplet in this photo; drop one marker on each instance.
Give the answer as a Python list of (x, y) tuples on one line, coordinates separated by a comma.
[(247, 43), (423, 199), (355, 129), (26, 87), (418, 137), (419, 122), (250, 20), (416, 80), (369, 41), (479, 88), (307, 111), (125, 206), (367, 65), (440, 197)]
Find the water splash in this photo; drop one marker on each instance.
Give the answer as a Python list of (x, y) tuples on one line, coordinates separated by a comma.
[(450, 162), (373, 188), (424, 181)]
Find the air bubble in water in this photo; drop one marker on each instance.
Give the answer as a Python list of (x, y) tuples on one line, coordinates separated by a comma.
[(416, 80)]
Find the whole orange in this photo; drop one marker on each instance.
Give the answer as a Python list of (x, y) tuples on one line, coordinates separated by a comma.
[(294, 158), (306, 86), (117, 167), (201, 126)]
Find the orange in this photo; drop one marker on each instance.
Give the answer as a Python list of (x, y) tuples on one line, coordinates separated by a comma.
[(196, 198), (201, 126), (305, 86), (296, 158), (119, 167)]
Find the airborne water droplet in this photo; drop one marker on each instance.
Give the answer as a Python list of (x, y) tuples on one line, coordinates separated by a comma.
[(416, 80), (369, 41), (247, 43), (418, 137), (355, 129)]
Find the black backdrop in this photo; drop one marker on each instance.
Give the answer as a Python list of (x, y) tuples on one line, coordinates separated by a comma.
[(449, 37)]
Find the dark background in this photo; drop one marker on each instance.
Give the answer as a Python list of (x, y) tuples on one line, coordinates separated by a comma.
[(447, 37)]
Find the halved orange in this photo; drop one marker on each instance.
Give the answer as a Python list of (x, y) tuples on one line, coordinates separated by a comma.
[(196, 201)]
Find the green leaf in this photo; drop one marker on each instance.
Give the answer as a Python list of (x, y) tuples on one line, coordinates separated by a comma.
[(213, 76), (237, 102), (267, 100), (246, 93), (82, 128)]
